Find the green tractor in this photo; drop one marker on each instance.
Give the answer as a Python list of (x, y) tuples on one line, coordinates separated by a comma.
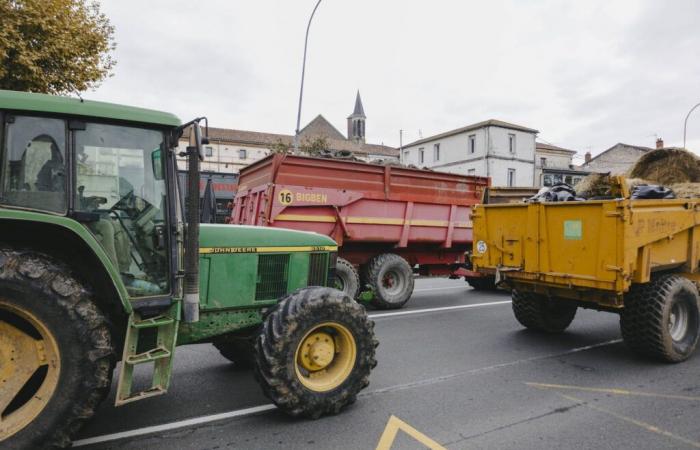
[(98, 265)]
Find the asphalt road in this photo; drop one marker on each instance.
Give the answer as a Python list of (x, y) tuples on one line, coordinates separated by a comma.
[(465, 376)]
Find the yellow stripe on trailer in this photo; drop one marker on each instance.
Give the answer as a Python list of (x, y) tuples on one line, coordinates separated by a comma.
[(371, 220), (225, 250)]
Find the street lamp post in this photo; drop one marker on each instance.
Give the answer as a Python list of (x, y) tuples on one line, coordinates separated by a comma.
[(301, 89), (685, 124)]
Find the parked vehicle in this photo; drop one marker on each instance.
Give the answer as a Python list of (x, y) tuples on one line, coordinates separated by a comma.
[(636, 258), (387, 220), (92, 271), (216, 191)]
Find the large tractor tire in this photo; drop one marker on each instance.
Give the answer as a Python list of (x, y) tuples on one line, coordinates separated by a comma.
[(661, 318), (315, 352), (482, 283), (537, 312), (347, 279), (391, 279), (238, 350), (56, 354)]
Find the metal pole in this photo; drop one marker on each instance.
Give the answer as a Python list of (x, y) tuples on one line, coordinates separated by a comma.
[(301, 89), (685, 124), (401, 147)]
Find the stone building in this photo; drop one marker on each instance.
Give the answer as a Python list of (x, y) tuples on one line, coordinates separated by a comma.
[(618, 159), (500, 150), (555, 165), (229, 150)]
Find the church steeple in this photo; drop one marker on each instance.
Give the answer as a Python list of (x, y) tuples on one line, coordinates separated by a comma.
[(356, 122)]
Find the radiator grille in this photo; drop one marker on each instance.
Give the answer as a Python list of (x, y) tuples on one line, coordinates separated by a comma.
[(273, 272), (318, 267)]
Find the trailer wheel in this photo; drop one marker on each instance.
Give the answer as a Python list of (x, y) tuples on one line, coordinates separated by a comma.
[(391, 279), (536, 312), (482, 283), (315, 352), (238, 350), (56, 355), (346, 278), (661, 318)]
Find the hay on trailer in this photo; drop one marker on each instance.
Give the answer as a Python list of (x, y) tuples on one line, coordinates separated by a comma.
[(667, 166), (686, 190), (594, 185)]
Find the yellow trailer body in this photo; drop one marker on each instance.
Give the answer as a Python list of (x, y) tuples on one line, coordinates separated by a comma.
[(589, 251)]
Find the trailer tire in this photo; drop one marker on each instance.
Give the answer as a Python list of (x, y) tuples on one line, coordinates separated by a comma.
[(536, 312), (284, 372), (661, 318), (347, 278), (391, 279), (238, 350), (41, 302), (482, 283)]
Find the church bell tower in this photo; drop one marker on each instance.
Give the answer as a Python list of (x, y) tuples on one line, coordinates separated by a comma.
[(356, 122)]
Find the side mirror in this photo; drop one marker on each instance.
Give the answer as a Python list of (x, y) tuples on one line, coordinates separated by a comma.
[(157, 164)]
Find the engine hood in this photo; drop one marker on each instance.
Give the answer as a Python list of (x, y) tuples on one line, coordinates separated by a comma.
[(219, 238)]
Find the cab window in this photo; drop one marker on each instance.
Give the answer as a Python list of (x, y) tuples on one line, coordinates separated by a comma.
[(117, 183), (34, 163)]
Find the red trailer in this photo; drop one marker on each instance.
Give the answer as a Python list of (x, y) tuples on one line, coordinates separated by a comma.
[(386, 219)]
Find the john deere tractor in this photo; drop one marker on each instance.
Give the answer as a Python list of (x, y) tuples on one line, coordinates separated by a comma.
[(98, 265)]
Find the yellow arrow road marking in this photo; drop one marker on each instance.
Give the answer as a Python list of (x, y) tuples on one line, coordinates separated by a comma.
[(392, 428), (613, 391)]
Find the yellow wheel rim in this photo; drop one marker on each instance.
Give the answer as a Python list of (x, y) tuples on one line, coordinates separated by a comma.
[(29, 368), (325, 357)]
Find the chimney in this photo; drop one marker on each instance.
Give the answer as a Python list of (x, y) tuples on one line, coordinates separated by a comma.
[(659, 143), (588, 157)]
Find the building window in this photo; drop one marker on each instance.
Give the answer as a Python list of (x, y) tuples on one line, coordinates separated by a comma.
[(547, 180), (421, 155), (242, 153), (568, 180), (511, 143), (406, 155), (543, 162), (471, 172), (436, 152), (576, 180), (511, 177), (472, 144), (208, 151)]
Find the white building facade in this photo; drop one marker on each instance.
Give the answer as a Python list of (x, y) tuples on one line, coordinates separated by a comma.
[(500, 150)]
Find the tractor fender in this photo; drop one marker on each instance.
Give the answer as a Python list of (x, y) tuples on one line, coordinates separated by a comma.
[(63, 227)]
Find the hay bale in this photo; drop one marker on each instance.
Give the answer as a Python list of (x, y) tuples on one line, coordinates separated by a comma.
[(594, 185), (667, 166), (686, 190)]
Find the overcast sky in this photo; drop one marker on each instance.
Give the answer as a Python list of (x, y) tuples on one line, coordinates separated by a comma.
[(586, 74)]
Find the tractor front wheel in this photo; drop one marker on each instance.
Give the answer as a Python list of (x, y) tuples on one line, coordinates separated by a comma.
[(237, 349), (315, 352), (347, 279), (56, 356), (661, 318), (537, 312)]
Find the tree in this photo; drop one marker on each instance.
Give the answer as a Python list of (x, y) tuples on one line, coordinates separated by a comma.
[(54, 46), (313, 146)]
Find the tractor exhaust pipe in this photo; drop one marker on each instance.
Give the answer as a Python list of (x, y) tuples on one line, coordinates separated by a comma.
[(191, 288)]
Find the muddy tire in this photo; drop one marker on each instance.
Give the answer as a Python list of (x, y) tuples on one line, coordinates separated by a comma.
[(536, 312), (42, 306), (347, 279), (391, 279), (315, 352), (661, 318), (482, 283), (238, 350)]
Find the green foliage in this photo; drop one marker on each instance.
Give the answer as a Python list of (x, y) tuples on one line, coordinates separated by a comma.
[(54, 46), (308, 146)]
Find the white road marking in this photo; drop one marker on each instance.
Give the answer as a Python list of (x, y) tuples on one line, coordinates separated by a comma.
[(442, 308), (262, 408), (173, 425), (441, 288)]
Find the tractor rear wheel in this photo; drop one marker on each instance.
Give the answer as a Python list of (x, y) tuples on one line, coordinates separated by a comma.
[(56, 355), (661, 318), (347, 279), (391, 279), (537, 312), (238, 350), (315, 352)]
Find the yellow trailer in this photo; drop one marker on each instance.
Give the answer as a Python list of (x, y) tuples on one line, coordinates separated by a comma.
[(638, 258)]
